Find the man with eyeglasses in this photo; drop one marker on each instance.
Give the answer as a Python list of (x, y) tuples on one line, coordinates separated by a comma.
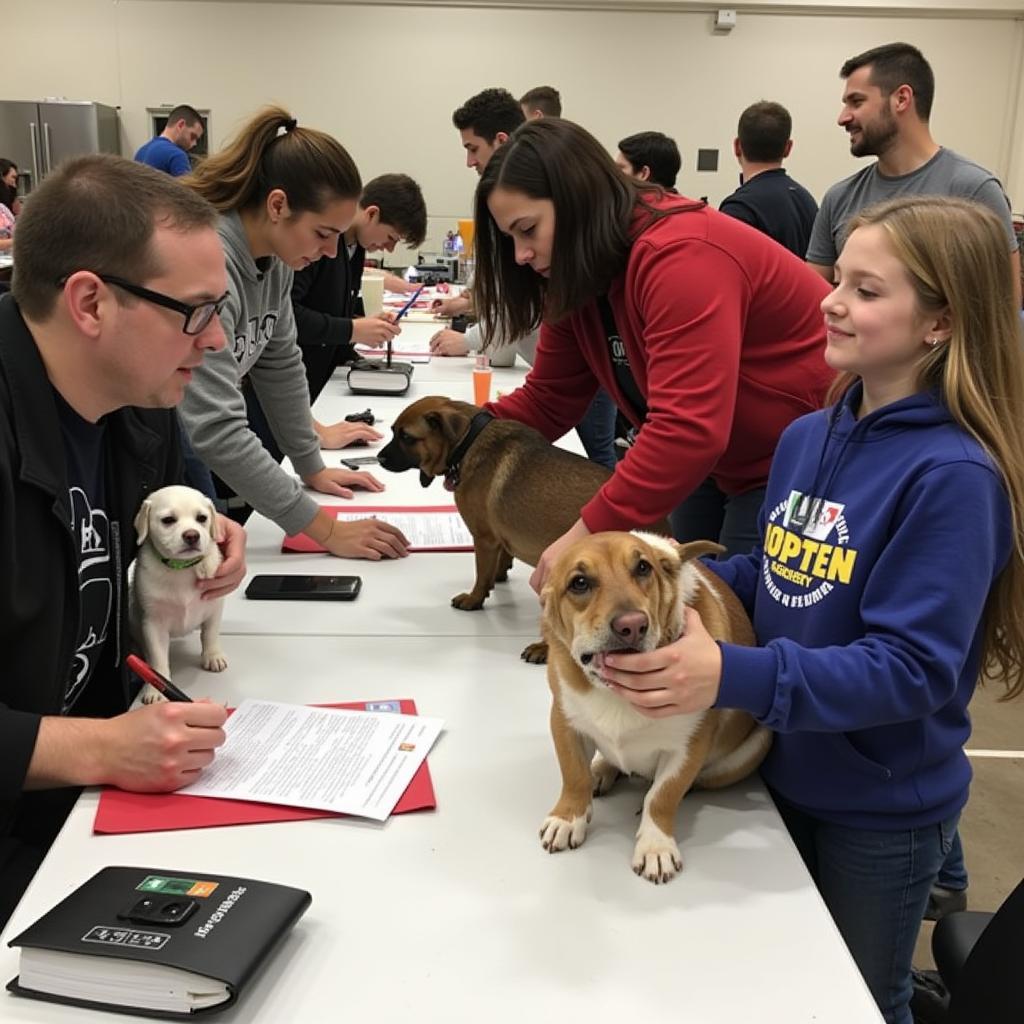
[(120, 278)]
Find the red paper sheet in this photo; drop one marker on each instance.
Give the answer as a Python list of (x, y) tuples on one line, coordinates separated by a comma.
[(120, 812), (306, 545)]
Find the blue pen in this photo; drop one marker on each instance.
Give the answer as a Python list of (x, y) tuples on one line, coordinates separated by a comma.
[(405, 309)]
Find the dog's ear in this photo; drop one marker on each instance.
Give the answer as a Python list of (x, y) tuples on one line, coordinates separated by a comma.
[(450, 424), (216, 524), (696, 548), (142, 522)]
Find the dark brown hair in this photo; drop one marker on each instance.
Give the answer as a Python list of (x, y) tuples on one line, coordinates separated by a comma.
[(97, 213), (400, 202), (596, 207), (489, 112), (273, 152), (763, 131), (897, 64), (545, 98)]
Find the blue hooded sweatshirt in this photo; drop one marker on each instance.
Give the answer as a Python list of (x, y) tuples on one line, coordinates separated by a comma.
[(881, 538)]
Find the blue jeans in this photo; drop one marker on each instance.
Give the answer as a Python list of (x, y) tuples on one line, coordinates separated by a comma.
[(597, 430), (711, 514), (875, 885), (953, 874)]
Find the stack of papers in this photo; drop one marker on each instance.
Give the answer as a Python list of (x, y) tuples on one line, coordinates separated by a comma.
[(428, 528)]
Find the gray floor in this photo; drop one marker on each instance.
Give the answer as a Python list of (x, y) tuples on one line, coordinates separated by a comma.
[(992, 827)]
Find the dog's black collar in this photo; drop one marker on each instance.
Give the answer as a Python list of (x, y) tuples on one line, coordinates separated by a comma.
[(458, 453)]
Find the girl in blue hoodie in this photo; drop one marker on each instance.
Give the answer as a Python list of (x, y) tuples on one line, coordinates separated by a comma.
[(889, 577)]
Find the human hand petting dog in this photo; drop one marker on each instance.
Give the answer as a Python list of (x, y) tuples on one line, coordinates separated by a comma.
[(552, 552), (231, 570), (340, 481), (343, 434), (678, 679)]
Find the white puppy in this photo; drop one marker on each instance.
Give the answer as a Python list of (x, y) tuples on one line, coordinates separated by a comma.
[(178, 532)]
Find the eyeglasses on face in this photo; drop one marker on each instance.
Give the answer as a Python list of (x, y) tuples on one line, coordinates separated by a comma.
[(197, 317)]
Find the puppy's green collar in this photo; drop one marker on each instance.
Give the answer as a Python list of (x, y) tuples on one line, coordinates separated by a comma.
[(181, 563)]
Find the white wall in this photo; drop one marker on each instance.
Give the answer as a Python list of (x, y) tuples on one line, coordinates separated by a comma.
[(384, 78)]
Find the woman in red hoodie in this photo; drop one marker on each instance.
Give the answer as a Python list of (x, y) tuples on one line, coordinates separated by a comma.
[(706, 333)]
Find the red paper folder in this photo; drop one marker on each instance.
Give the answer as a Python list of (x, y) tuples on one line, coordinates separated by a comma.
[(301, 543), (120, 812)]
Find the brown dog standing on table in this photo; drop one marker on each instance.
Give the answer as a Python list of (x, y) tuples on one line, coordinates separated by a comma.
[(516, 492), (626, 592)]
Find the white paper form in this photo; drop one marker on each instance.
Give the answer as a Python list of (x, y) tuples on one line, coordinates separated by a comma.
[(426, 530), (331, 759)]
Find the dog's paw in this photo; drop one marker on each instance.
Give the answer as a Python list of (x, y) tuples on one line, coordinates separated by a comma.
[(604, 774), (656, 857), (467, 603), (557, 834), (214, 662), (535, 654), (150, 695)]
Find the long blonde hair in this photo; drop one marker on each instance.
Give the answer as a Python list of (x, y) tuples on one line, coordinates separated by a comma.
[(270, 152), (956, 255)]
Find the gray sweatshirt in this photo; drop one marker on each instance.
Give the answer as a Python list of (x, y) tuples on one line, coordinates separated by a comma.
[(502, 352), (260, 329)]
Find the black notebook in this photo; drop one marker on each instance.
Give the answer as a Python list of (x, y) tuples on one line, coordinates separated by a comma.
[(157, 942), (375, 377)]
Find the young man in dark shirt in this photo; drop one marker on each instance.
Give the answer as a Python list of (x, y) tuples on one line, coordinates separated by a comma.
[(768, 198), (120, 275)]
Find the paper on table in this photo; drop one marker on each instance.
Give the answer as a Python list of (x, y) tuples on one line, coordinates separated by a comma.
[(413, 356), (431, 528), (439, 530), (352, 762), (119, 811)]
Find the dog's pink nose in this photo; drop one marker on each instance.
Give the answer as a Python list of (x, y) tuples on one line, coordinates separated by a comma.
[(630, 626), (190, 537)]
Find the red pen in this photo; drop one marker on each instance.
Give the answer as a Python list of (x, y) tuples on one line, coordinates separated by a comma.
[(148, 674)]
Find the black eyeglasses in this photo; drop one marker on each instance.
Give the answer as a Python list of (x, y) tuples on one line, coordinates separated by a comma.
[(197, 317)]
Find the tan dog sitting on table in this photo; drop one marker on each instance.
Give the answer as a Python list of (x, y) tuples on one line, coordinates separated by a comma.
[(516, 492), (626, 592)]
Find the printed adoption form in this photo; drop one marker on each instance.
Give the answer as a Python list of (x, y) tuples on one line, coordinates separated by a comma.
[(332, 759)]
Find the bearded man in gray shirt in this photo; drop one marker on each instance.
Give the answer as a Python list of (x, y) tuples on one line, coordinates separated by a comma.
[(886, 105)]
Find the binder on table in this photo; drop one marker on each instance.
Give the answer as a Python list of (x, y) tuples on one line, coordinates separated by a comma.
[(155, 941)]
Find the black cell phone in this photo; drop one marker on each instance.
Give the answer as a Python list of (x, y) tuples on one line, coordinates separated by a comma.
[(303, 588), (357, 461)]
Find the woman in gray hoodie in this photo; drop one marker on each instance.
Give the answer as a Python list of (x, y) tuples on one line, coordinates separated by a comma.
[(286, 194)]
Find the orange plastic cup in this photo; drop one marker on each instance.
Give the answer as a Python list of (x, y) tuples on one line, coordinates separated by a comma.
[(467, 232), (481, 380)]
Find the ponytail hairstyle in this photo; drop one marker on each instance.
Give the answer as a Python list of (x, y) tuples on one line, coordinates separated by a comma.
[(273, 152), (599, 211), (957, 258)]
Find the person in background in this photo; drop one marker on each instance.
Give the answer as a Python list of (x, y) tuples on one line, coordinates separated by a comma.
[(706, 334), (768, 198), (119, 275), (169, 150), (543, 101), (325, 295), (10, 204), (650, 156), (887, 104), (286, 195), (870, 646)]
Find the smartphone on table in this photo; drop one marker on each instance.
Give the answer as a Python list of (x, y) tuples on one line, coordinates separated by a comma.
[(303, 588)]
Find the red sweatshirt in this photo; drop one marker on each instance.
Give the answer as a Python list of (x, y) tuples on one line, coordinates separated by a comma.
[(726, 342)]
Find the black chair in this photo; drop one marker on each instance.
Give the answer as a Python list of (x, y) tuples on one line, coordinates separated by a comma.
[(979, 957)]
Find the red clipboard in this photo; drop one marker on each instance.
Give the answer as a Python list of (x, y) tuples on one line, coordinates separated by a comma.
[(120, 812), (306, 545)]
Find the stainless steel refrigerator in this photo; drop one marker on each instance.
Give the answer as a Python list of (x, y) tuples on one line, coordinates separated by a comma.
[(38, 136)]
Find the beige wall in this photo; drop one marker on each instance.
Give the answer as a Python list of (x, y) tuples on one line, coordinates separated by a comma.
[(385, 77)]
